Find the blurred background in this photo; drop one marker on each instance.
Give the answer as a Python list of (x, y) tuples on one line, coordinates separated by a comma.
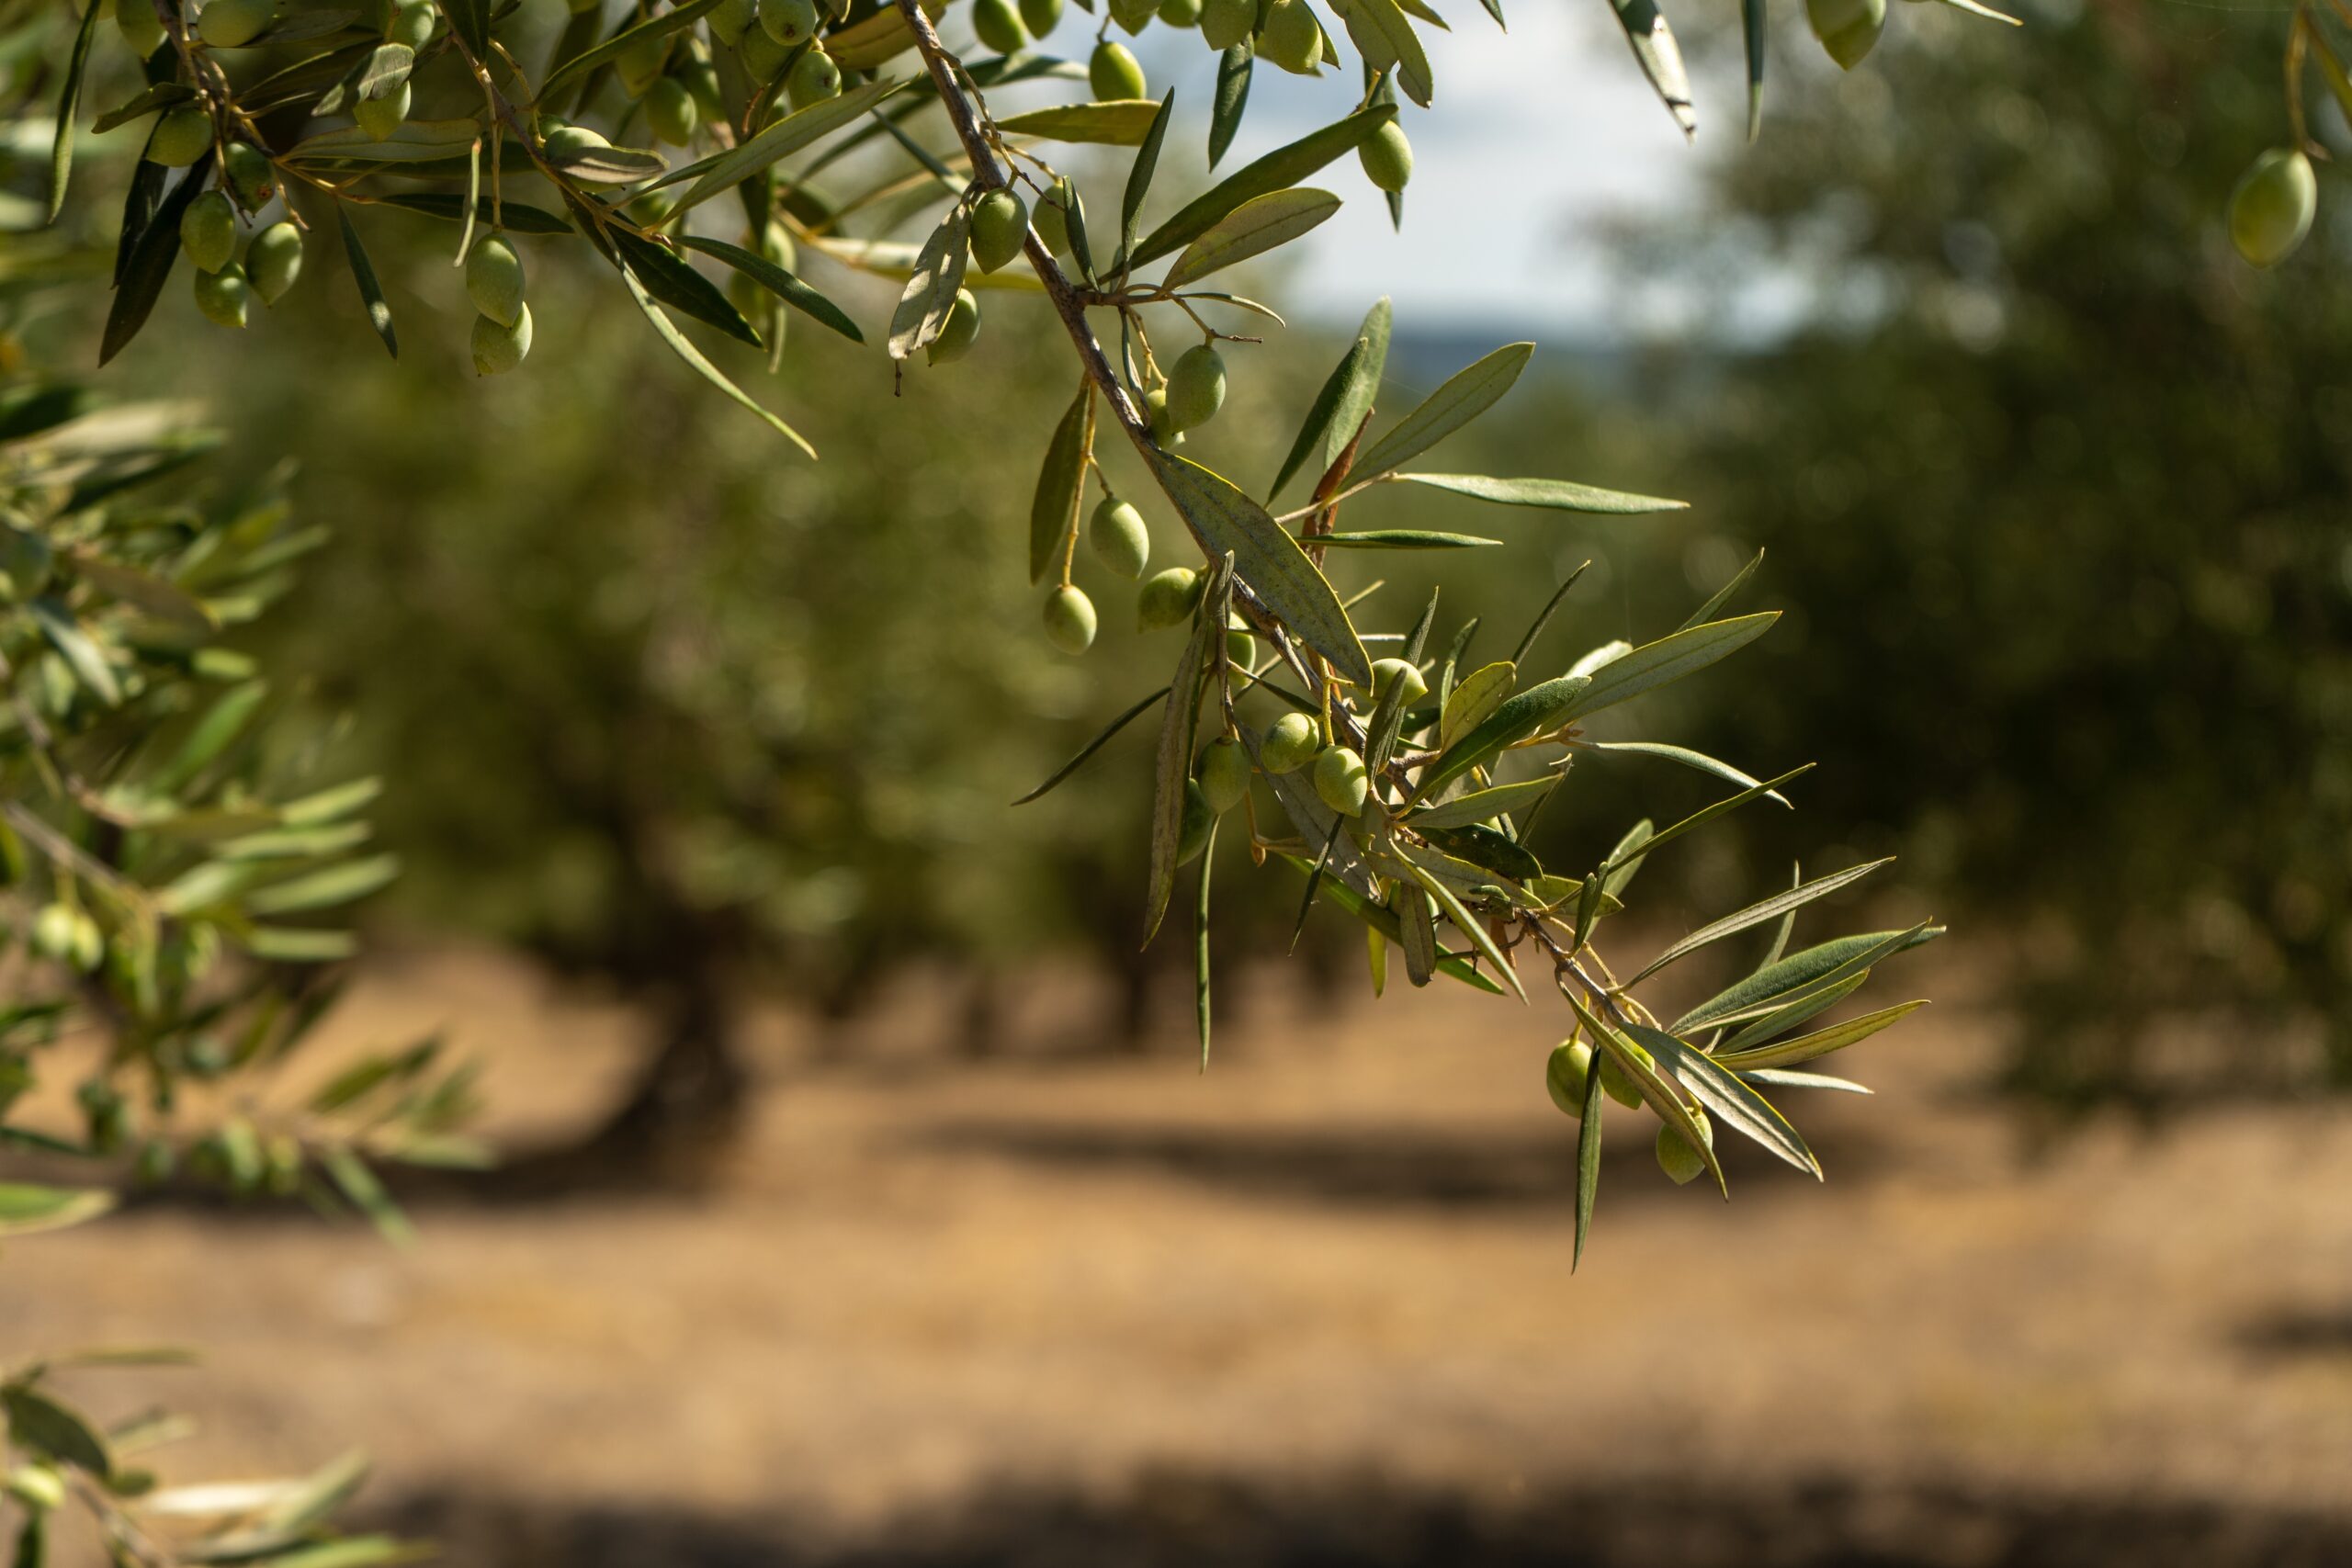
[(864, 1202)]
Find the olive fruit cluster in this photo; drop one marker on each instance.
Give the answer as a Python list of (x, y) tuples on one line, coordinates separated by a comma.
[(502, 335), (210, 224), (1568, 1073)]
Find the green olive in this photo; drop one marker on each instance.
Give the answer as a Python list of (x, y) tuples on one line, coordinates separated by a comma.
[(1224, 773), (52, 933), (1621, 1085), (999, 24), (1290, 742), (221, 296), (1195, 388), (1240, 650), (140, 27), (380, 116), (1121, 541), (1069, 619), (231, 23), (1180, 12), (1114, 72), (999, 225), (250, 177), (1677, 1157), (37, 1486), (1192, 831), (761, 56), (1167, 598), (1847, 29), (1052, 219), (2273, 206), (958, 332), (1386, 671), (788, 21), (413, 23), (1291, 38), (1155, 413), (181, 137), (1566, 1072), (1387, 157), (1340, 780), (641, 66), (209, 231), (671, 112), (729, 21), (1225, 23), (273, 261), (499, 347), (568, 141), (814, 78), (494, 279), (1041, 17)]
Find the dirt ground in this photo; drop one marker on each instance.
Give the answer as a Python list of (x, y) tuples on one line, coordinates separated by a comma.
[(1314, 1307)]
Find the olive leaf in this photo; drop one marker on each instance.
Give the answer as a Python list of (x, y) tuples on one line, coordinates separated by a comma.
[(685, 349), (786, 286), (1174, 766), (1751, 28), (1468, 923), (795, 131), (1820, 1043), (1532, 712), (1139, 174), (1284, 166), (1667, 660), (1100, 740), (1401, 539), (26, 1207), (1477, 694), (1384, 920), (1418, 928), (411, 141), (388, 67), (1345, 398), (1387, 40), (146, 101), (1061, 480), (1266, 558), (676, 20), (931, 291), (1558, 495), (1481, 806), (73, 645), (1660, 56), (1115, 123), (1806, 1005), (1699, 761), (363, 274), (1723, 595), (676, 284), (1587, 1133), (1465, 395), (1201, 948), (1756, 914), (1257, 226), (69, 104), (144, 264), (1800, 977), (1231, 102), (1733, 1101), (1657, 1092)]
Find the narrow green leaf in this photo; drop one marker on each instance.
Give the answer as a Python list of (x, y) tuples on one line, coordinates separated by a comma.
[(411, 141), (1387, 39), (1820, 1043), (69, 106), (789, 135), (1587, 1147), (326, 888), (1722, 596), (1231, 102), (1201, 948), (609, 165), (1543, 616), (1475, 695), (1656, 1091), (1470, 392), (1775, 1077), (146, 101), (1660, 57), (363, 274), (74, 645), (1282, 168), (1418, 925), (1388, 714), (1751, 27), (1532, 712), (679, 345), (1403, 539), (1557, 495), (1385, 921), (620, 43), (26, 1207), (1345, 398), (1061, 484), (1729, 804), (1670, 658), (39, 1423), (388, 67), (1468, 924), (1484, 806), (1253, 229), (366, 1194), (1699, 761), (146, 266), (1266, 558), (1174, 765), (1139, 173), (675, 282), (786, 286), (1756, 914), (930, 292), (1733, 1101), (1807, 1005), (1114, 122), (1624, 861), (1799, 976), (1094, 746)]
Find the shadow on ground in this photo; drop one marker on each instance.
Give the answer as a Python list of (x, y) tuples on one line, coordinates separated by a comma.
[(1170, 1519), (1373, 1167)]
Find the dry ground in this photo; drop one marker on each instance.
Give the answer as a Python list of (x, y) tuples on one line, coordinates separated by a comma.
[(1314, 1307)]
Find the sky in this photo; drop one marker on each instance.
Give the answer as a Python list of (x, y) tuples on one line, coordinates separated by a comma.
[(1531, 135)]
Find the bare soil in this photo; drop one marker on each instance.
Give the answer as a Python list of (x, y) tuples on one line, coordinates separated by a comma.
[(1312, 1307)]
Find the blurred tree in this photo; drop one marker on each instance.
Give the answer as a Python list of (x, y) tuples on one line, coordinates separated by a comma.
[(2051, 466)]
